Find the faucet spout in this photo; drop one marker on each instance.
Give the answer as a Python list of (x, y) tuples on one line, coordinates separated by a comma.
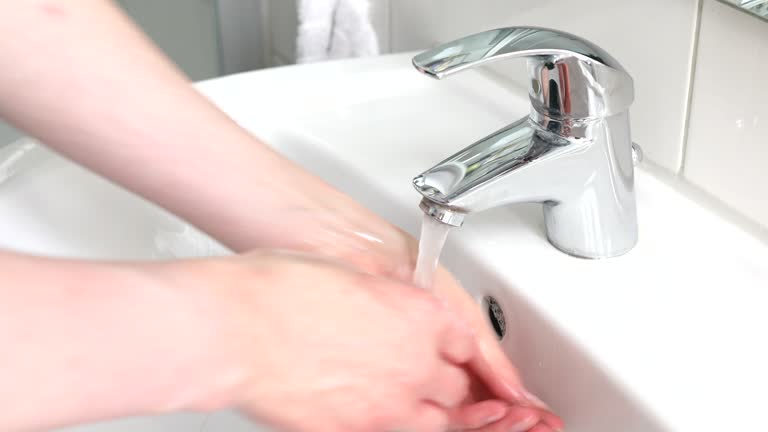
[(573, 153), (586, 185), (518, 163)]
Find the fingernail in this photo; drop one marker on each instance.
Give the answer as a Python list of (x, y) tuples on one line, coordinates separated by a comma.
[(535, 401), (495, 417), (525, 425), (517, 394)]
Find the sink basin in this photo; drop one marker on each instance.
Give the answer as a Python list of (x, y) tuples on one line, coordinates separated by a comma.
[(665, 338)]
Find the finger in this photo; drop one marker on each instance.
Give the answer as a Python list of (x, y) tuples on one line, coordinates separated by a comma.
[(478, 414), (511, 391), (541, 428), (503, 390), (450, 386), (518, 419), (427, 418), (535, 401), (551, 420), (457, 342)]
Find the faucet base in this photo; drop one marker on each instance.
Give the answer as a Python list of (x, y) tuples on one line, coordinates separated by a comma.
[(603, 224), (582, 255)]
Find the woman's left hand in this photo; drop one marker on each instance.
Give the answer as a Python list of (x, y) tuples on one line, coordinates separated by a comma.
[(377, 247)]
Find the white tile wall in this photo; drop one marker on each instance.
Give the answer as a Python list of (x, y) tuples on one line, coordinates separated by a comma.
[(243, 36), (187, 30), (283, 27), (727, 150), (653, 39)]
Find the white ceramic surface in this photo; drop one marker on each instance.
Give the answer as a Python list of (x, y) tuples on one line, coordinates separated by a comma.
[(665, 338), (170, 423), (729, 160), (7, 134), (653, 39)]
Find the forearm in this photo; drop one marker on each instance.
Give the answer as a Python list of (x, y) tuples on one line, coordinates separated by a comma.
[(85, 342), (78, 75)]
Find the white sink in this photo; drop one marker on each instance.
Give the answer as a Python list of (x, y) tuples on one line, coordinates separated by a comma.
[(666, 338)]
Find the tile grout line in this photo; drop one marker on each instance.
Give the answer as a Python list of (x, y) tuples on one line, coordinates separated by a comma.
[(691, 81), (390, 27), (220, 46)]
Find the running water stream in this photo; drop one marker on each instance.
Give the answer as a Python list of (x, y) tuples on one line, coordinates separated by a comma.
[(431, 242)]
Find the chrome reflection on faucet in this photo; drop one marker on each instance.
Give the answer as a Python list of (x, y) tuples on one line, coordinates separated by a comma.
[(573, 153)]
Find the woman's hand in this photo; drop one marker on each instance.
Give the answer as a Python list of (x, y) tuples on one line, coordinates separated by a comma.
[(369, 243), (309, 345)]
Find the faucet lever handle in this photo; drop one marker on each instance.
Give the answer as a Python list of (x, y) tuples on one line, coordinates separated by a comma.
[(571, 78)]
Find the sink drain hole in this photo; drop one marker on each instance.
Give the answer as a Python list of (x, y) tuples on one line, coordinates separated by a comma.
[(495, 316)]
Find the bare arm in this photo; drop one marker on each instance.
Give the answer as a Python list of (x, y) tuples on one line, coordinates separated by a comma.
[(81, 77), (95, 341), (84, 342)]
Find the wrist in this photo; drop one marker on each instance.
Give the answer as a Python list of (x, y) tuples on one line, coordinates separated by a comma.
[(198, 364), (94, 341), (156, 348)]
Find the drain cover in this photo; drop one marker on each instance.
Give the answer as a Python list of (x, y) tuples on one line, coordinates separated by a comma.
[(496, 316)]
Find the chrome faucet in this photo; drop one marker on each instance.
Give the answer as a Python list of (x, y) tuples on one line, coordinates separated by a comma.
[(573, 153)]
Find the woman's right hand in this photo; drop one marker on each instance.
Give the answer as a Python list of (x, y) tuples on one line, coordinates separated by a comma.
[(306, 344)]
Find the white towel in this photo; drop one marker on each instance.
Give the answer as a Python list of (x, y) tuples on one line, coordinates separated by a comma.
[(335, 29)]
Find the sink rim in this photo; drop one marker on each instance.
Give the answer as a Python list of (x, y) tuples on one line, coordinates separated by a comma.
[(561, 297)]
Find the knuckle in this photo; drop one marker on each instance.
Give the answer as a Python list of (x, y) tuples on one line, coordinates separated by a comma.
[(462, 382), (454, 389), (420, 377), (462, 389)]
